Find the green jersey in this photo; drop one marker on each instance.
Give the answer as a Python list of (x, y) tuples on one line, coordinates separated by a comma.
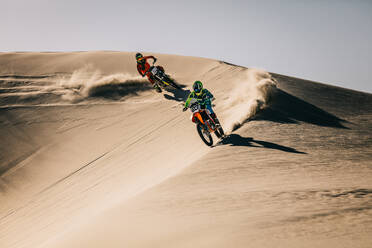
[(204, 97)]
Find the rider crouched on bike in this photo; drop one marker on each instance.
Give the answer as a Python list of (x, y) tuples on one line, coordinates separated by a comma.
[(204, 97), (143, 68)]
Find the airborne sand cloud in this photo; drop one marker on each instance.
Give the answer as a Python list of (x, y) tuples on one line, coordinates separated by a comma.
[(86, 81), (251, 92)]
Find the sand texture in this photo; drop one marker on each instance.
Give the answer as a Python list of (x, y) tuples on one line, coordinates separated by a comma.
[(91, 156)]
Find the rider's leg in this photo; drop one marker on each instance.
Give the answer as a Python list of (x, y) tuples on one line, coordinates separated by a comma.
[(149, 77), (213, 114), (154, 84)]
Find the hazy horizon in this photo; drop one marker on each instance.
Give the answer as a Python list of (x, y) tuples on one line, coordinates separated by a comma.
[(324, 41)]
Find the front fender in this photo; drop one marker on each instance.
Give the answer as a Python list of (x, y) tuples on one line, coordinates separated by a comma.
[(197, 115)]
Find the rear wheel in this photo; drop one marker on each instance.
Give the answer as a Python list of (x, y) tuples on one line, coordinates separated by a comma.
[(220, 130), (218, 134), (204, 135)]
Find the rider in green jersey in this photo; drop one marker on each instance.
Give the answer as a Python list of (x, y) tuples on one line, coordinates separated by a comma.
[(204, 97)]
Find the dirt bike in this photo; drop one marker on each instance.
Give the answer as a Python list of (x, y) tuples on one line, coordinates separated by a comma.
[(162, 79), (205, 124)]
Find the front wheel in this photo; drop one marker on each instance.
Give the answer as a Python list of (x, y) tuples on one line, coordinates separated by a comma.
[(204, 135)]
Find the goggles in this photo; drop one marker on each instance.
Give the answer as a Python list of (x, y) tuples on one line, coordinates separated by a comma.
[(198, 92)]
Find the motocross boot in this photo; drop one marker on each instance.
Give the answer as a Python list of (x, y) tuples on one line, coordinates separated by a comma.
[(157, 88), (220, 129)]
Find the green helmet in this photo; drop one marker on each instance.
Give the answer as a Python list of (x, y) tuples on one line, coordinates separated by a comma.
[(197, 86), (138, 56)]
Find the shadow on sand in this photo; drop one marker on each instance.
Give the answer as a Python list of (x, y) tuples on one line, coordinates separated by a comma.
[(237, 140), (116, 91), (286, 108), (179, 95)]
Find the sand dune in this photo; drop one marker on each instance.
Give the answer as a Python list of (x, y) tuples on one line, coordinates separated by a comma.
[(91, 156)]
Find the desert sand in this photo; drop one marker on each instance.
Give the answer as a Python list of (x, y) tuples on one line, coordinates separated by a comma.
[(92, 156)]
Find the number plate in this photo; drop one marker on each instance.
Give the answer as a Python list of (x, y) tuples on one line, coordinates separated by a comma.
[(195, 108), (154, 70)]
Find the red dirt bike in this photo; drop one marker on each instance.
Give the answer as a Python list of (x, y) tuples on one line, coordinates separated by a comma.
[(205, 124), (162, 79)]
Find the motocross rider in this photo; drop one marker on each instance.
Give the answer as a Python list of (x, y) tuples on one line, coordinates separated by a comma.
[(143, 68), (204, 97)]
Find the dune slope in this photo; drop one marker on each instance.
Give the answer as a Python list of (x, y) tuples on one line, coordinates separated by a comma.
[(92, 157)]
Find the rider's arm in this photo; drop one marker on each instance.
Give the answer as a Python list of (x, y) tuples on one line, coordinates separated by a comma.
[(186, 106), (208, 94), (150, 57), (188, 101), (206, 97), (140, 71)]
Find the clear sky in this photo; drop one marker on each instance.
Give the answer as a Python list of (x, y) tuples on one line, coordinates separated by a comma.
[(325, 41)]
